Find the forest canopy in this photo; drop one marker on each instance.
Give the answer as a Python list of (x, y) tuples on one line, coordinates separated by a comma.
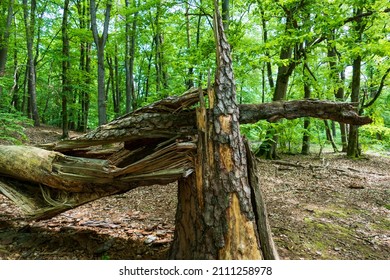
[(80, 63)]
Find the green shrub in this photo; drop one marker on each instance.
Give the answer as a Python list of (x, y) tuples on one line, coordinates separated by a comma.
[(12, 126)]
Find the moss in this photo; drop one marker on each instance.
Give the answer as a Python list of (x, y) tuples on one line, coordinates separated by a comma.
[(382, 224), (335, 211)]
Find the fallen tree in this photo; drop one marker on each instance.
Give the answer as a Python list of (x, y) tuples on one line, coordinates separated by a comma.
[(153, 145)]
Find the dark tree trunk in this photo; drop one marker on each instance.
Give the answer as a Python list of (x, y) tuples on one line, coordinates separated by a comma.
[(100, 42), (84, 66), (4, 36), (306, 124), (338, 79), (265, 40), (15, 87), (329, 136), (353, 150), (268, 148), (29, 21), (225, 14), (131, 34), (189, 80), (65, 68)]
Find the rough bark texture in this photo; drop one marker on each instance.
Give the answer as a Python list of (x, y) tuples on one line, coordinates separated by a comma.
[(336, 111), (216, 217)]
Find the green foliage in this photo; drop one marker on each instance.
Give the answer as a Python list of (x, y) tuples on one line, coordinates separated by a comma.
[(187, 52), (12, 127)]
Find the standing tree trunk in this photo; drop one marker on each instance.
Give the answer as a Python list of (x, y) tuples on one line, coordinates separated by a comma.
[(117, 91), (190, 73), (84, 66), (268, 148), (161, 73), (100, 44), (353, 146), (15, 87), (219, 212), (338, 80), (306, 122), (114, 79), (65, 68), (329, 135), (131, 31), (29, 21), (225, 14), (265, 40), (343, 126), (4, 35)]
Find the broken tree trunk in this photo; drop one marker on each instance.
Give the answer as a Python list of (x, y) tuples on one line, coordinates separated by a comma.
[(44, 183), (217, 217)]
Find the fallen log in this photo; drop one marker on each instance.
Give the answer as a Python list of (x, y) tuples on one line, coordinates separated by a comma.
[(153, 145), (321, 109), (169, 122)]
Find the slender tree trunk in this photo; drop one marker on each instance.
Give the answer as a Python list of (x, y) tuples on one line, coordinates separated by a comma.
[(100, 42), (131, 34), (29, 21), (268, 148), (353, 146), (343, 126), (338, 79), (329, 136), (65, 69), (4, 37), (265, 40), (158, 49), (111, 80), (226, 14), (15, 88), (84, 66), (147, 80), (127, 58), (306, 122), (117, 91), (189, 81), (132, 60)]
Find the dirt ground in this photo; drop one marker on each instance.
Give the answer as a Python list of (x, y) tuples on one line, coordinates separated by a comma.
[(319, 208)]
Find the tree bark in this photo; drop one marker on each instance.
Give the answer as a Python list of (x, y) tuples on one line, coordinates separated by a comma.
[(4, 35), (65, 69), (220, 221), (306, 123), (265, 40), (29, 21), (100, 42), (131, 31), (353, 150), (283, 75), (84, 66)]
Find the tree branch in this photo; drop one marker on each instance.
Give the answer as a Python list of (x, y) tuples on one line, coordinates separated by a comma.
[(379, 91)]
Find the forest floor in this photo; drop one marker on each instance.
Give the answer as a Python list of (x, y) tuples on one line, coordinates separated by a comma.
[(325, 207)]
